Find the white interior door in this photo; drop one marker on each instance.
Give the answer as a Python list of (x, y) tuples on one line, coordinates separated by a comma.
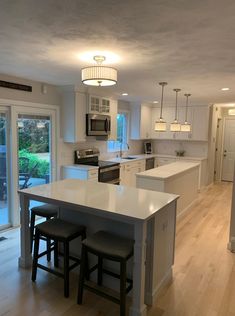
[(228, 149)]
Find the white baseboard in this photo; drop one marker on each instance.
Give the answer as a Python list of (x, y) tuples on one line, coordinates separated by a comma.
[(231, 244), (151, 297), (186, 210)]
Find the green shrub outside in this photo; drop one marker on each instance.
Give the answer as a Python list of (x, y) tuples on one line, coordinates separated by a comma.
[(42, 168)]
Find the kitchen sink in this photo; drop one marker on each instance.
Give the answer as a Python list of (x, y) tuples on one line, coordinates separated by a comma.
[(130, 158)]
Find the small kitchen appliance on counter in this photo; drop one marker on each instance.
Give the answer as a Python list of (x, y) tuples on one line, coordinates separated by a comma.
[(148, 148), (109, 172)]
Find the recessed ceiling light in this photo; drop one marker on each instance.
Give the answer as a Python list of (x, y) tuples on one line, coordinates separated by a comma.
[(155, 101), (225, 89), (124, 93)]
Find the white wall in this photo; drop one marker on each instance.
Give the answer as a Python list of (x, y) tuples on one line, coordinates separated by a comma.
[(66, 150), (193, 149), (52, 95)]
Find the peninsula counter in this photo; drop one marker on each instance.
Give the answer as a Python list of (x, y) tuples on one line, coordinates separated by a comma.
[(178, 178), (149, 217)]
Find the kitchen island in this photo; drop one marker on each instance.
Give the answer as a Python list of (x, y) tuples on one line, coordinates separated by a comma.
[(146, 216), (178, 178)]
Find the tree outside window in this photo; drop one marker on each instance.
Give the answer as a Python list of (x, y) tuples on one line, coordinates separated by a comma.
[(122, 127)]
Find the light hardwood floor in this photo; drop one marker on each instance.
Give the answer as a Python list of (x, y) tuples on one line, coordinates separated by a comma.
[(204, 272)]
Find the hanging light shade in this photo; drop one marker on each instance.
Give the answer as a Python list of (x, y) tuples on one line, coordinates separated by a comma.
[(175, 125), (186, 127), (160, 125), (99, 75)]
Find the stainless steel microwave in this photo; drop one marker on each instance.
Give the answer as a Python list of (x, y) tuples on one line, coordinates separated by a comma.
[(98, 125)]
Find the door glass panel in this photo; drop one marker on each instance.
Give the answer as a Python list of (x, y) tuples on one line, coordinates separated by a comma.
[(34, 151), (4, 213)]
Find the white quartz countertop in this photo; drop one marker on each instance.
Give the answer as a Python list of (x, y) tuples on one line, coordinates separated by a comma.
[(179, 157), (136, 158), (169, 170), (107, 200), (81, 167), (146, 156)]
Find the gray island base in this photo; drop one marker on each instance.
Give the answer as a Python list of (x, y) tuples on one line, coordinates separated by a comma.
[(146, 216)]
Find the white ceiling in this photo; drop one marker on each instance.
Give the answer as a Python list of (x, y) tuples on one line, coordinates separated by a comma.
[(188, 43)]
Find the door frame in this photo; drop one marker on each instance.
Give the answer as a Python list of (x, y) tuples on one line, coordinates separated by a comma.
[(6, 111), (16, 107), (222, 150), (16, 110)]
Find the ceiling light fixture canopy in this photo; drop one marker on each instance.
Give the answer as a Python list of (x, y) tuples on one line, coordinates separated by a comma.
[(175, 125), (186, 127), (160, 125), (99, 75)]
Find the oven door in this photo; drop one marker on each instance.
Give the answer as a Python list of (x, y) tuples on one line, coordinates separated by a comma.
[(110, 175), (98, 125)]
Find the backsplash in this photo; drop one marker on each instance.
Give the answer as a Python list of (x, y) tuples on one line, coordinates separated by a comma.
[(66, 150), (169, 147)]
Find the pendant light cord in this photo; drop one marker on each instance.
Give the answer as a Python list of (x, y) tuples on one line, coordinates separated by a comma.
[(186, 112), (176, 102), (163, 84), (176, 99)]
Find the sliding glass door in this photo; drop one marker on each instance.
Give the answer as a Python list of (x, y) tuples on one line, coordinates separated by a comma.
[(4, 178), (35, 152), (27, 155)]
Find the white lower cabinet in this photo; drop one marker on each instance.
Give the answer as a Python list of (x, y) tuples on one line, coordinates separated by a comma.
[(129, 170), (163, 161), (82, 173)]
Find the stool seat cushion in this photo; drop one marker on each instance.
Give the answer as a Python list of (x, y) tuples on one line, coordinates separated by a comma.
[(59, 229), (110, 244), (45, 210)]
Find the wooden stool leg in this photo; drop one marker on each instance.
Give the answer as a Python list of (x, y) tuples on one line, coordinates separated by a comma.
[(35, 256), (122, 288), (56, 256), (100, 270), (82, 274), (66, 269), (48, 245), (32, 224)]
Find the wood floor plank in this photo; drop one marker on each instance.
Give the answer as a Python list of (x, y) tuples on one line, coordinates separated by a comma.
[(203, 282)]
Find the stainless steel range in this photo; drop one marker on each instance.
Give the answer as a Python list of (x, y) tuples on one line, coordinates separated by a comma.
[(109, 172)]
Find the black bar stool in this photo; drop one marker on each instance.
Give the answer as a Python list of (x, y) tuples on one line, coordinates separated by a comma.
[(59, 231), (112, 247), (47, 211)]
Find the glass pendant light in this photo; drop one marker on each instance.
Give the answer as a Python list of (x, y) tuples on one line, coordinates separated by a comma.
[(186, 127), (175, 126), (160, 125)]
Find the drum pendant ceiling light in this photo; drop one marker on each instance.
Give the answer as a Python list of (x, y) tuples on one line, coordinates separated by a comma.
[(175, 126), (186, 127), (160, 125), (99, 75)]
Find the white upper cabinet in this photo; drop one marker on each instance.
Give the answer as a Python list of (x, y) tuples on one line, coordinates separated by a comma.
[(99, 105), (198, 117), (141, 119), (200, 123), (73, 115), (113, 114)]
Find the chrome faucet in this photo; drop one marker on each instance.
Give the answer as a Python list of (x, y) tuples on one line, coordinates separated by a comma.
[(120, 149)]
